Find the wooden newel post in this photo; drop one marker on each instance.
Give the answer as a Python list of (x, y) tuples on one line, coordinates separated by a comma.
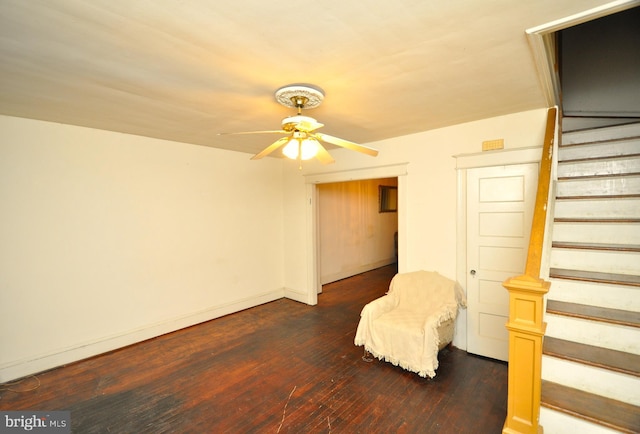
[(526, 331)]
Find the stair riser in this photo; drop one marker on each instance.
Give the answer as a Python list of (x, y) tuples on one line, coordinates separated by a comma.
[(591, 379), (599, 334), (608, 149), (602, 167), (611, 296), (609, 233), (616, 185), (595, 260), (555, 422), (597, 208), (601, 134)]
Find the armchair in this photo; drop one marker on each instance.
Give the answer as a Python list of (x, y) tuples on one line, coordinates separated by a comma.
[(412, 322)]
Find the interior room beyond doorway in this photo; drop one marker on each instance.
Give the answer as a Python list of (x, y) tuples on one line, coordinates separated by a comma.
[(354, 234)]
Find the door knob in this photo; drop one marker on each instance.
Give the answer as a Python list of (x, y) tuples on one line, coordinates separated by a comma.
[(473, 272)]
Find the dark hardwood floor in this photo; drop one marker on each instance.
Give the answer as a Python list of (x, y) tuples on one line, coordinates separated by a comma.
[(280, 367)]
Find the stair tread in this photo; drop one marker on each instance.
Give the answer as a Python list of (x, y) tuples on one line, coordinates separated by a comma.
[(597, 176), (569, 137), (596, 246), (595, 313), (595, 142), (599, 158), (618, 361), (597, 409), (599, 196), (593, 276), (595, 220)]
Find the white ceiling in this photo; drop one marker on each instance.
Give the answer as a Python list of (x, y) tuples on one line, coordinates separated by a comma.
[(185, 70)]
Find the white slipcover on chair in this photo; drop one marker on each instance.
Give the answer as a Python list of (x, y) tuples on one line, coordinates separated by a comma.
[(410, 324)]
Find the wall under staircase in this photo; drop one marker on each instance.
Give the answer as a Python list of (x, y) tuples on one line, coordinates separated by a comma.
[(591, 351)]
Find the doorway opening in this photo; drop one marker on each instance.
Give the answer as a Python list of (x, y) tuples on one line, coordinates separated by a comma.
[(357, 227), (313, 181)]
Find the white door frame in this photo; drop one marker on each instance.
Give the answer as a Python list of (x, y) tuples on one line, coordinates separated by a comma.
[(312, 245), (471, 161)]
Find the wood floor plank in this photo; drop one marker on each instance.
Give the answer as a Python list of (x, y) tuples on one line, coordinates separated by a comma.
[(280, 366)]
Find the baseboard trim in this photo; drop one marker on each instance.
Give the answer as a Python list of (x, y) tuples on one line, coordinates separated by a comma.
[(18, 369), (298, 296), (355, 270)]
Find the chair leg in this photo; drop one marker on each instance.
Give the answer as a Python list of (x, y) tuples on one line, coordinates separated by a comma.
[(367, 356)]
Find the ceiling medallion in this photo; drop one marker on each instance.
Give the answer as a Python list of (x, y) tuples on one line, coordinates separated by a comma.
[(299, 95)]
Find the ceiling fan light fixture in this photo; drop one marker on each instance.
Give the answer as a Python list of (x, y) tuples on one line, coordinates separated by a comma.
[(301, 141), (304, 149)]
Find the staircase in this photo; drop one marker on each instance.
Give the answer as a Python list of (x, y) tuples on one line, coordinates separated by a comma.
[(591, 351)]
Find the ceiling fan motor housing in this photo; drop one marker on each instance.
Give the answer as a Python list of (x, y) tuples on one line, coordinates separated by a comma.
[(293, 123)]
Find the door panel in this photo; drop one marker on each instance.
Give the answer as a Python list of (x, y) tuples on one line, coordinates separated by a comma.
[(505, 224), (499, 211)]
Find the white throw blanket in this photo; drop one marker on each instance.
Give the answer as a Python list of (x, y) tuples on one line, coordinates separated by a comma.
[(402, 326)]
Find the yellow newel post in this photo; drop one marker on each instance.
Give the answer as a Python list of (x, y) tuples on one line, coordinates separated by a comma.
[(526, 331), (526, 305)]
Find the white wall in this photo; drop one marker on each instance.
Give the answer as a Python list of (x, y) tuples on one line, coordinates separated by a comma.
[(354, 236), (427, 215), (107, 239)]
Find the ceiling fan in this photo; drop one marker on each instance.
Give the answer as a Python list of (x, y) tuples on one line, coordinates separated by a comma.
[(301, 141)]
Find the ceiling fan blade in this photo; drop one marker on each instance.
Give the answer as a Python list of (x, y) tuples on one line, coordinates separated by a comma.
[(346, 144), (254, 132), (323, 156), (272, 147)]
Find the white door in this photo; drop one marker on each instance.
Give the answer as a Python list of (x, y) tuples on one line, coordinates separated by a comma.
[(500, 203)]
